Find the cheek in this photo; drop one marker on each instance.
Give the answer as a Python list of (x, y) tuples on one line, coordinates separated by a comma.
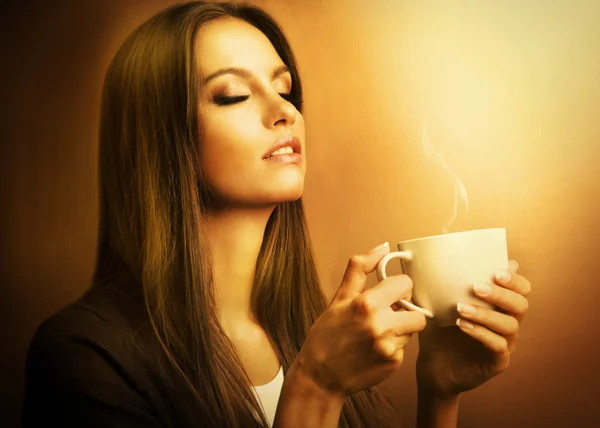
[(228, 151)]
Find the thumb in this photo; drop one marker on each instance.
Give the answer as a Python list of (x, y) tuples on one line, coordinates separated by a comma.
[(355, 277)]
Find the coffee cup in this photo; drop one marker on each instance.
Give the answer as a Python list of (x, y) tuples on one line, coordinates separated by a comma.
[(444, 268)]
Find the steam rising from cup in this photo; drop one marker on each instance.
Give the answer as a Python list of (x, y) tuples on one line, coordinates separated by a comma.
[(460, 192)]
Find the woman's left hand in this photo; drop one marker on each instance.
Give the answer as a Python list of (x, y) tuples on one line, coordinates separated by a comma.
[(453, 360)]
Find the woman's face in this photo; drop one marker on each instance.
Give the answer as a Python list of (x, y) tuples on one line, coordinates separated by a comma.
[(243, 114)]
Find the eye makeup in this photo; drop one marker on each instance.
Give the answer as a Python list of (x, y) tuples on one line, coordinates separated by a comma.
[(229, 100), (231, 92)]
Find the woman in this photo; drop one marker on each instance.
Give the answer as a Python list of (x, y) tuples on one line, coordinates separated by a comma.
[(205, 290)]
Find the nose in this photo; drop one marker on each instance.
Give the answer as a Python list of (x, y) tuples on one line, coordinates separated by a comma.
[(280, 112)]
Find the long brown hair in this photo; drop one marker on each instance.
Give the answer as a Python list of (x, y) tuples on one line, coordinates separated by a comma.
[(153, 200)]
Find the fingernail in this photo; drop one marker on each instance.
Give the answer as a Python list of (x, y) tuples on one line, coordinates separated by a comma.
[(503, 275), (515, 265), (465, 325), (465, 308), (380, 247), (482, 288)]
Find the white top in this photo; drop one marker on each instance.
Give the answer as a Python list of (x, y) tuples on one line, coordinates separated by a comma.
[(268, 395)]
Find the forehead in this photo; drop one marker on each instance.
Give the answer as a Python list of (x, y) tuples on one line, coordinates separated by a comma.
[(231, 42)]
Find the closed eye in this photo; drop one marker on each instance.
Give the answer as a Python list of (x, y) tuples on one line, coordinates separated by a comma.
[(225, 101)]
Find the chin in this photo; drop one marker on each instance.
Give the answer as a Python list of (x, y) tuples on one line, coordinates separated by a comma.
[(287, 195), (273, 191), (264, 198), (284, 188), (290, 197)]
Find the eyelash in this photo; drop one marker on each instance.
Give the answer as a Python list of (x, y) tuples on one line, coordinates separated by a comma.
[(225, 101)]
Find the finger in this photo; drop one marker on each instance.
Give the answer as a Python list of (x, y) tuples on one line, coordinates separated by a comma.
[(403, 340), (403, 322), (513, 266), (392, 348), (513, 281), (505, 299), (492, 341), (389, 291), (400, 341), (498, 322), (396, 306), (355, 276)]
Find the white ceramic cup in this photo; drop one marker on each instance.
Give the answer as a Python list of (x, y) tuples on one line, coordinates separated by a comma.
[(444, 269)]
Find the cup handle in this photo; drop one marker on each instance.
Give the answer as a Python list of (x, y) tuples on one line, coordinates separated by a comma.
[(381, 275)]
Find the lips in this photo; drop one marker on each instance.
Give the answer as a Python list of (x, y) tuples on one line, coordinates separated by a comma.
[(292, 142)]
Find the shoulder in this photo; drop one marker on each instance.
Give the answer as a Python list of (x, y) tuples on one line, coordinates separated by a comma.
[(103, 321), (82, 366)]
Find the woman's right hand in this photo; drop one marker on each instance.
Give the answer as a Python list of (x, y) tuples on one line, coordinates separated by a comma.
[(358, 340)]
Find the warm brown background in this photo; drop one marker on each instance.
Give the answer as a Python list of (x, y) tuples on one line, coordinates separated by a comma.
[(520, 81)]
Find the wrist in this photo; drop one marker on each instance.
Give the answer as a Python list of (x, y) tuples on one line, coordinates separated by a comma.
[(305, 384), (429, 385), (436, 410), (304, 403)]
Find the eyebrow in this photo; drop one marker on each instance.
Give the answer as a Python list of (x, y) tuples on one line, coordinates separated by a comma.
[(242, 72)]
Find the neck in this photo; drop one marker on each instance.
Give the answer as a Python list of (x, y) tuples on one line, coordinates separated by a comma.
[(235, 236)]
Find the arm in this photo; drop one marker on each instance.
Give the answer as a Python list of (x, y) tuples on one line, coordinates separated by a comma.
[(436, 412), (454, 360), (304, 404), (356, 342)]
